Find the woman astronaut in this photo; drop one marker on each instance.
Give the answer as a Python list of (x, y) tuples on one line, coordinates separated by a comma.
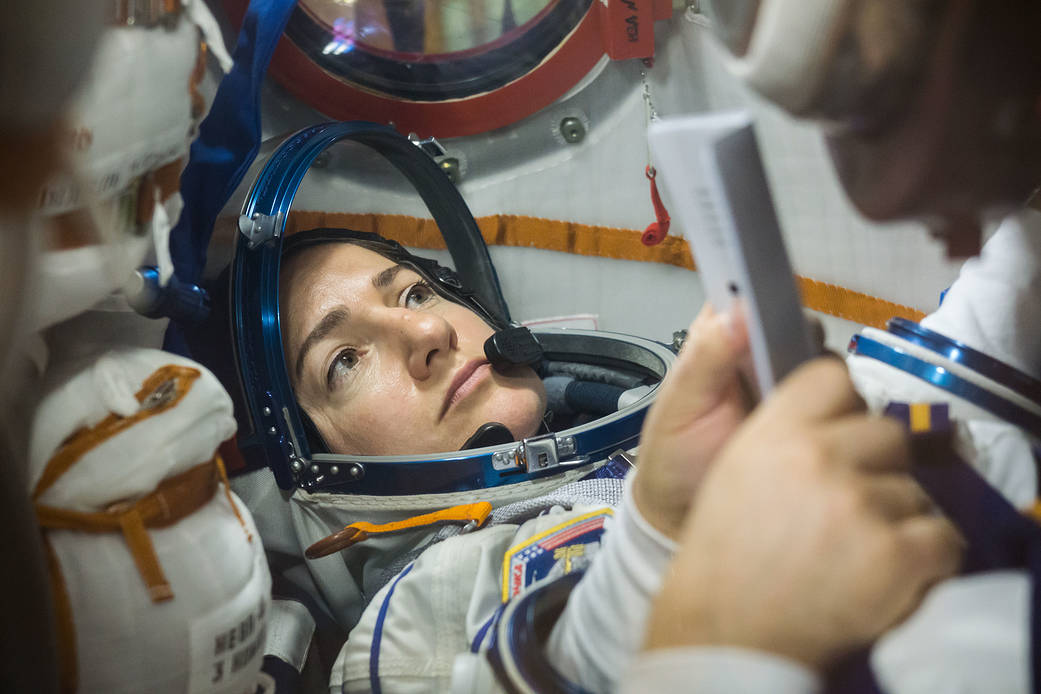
[(362, 351), (372, 337)]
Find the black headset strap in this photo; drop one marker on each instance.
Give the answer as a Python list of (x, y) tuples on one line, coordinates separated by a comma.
[(455, 222)]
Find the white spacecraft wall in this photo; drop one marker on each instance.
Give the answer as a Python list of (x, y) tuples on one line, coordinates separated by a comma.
[(528, 169)]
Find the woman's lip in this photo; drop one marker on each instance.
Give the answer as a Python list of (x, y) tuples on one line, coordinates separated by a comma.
[(466, 379)]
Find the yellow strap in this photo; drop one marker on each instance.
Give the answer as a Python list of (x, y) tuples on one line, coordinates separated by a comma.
[(143, 552), (357, 532), (1035, 511), (921, 416), (173, 499), (222, 473), (457, 514), (600, 241)]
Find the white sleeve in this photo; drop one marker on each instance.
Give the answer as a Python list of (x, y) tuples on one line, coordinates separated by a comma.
[(712, 670), (602, 626), (993, 305), (971, 635)]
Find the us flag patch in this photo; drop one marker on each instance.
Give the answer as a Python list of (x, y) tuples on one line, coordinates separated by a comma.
[(560, 550)]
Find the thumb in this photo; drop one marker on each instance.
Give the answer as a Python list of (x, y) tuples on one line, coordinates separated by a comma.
[(705, 371)]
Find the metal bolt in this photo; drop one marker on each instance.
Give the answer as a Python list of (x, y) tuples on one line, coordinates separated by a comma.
[(272, 431), (334, 470), (573, 130), (450, 165), (267, 411), (354, 471), (162, 395), (315, 469), (296, 465), (678, 338)]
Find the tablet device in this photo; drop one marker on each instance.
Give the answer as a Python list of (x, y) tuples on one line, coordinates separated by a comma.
[(713, 174)]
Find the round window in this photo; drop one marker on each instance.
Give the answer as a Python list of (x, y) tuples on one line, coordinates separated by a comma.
[(436, 67), (431, 51)]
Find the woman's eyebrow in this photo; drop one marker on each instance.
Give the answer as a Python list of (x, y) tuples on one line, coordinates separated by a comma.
[(329, 322), (384, 278)]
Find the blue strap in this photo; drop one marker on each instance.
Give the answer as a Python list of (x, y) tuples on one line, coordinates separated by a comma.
[(998, 536), (475, 647), (228, 141), (377, 635)]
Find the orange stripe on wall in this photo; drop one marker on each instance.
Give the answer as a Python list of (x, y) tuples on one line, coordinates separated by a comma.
[(599, 241)]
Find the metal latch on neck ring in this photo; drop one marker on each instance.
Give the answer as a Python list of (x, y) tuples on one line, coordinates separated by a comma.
[(260, 227), (538, 453)]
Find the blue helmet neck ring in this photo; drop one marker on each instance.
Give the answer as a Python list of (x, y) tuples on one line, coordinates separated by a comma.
[(274, 434)]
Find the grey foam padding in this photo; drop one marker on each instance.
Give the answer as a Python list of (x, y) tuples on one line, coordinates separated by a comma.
[(596, 374)]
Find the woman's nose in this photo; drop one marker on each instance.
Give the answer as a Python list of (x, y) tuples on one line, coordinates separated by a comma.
[(426, 337)]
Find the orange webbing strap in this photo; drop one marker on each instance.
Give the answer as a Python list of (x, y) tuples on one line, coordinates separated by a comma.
[(591, 240), (167, 385), (66, 629), (354, 533), (223, 474), (197, 100), (174, 499), (853, 306)]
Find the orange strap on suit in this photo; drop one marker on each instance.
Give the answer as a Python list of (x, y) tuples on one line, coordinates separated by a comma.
[(466, 514)]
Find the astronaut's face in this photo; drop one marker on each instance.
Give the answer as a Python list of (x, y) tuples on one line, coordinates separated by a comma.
[(384, 366)]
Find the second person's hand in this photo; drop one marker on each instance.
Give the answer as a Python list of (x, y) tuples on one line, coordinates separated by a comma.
[(701, 403), (808, 538)]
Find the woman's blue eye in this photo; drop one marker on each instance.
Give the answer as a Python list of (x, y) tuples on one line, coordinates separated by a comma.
[(344, 362), (418, 294)]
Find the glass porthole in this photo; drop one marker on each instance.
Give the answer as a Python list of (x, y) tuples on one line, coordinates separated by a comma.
[(433, 50)]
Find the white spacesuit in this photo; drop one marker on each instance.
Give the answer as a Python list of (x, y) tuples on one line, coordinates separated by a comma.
[(429, 629)]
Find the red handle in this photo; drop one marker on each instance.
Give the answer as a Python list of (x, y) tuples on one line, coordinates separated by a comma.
[(657, 230)]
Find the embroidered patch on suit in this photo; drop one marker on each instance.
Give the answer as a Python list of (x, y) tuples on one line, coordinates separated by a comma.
[(560, 550)]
